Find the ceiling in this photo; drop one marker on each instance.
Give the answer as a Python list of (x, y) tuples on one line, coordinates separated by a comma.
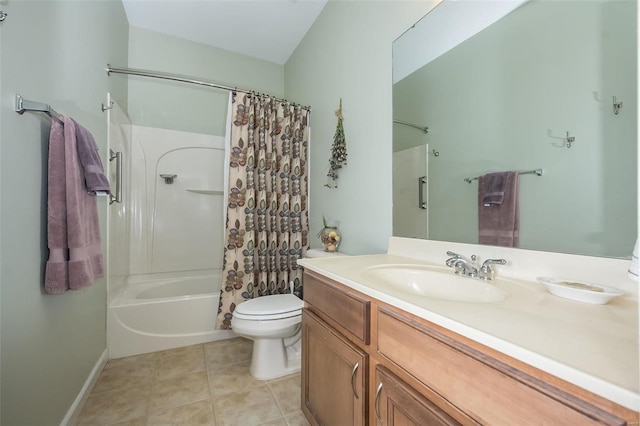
[(263, 29)]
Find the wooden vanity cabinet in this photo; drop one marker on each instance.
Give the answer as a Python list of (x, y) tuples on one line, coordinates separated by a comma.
[(333, 376), (413, 372), (335, 362), (397, 404)]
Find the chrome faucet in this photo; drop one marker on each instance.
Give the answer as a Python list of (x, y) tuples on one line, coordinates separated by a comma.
[(471, 268), (486, 272), (463, 266)]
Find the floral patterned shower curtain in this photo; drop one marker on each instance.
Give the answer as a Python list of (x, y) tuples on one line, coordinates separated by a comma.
[(267, 219)]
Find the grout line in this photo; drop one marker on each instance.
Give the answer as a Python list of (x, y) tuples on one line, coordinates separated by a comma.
[(211, 397), (273, 395)]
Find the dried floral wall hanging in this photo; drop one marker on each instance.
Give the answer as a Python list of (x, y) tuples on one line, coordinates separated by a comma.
[(338, 151)]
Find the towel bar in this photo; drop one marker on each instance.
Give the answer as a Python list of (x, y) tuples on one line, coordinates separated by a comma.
[(538, 172), (23, 105)]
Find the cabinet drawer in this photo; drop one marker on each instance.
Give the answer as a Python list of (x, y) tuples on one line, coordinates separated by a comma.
[(486, 389), (347, 310)]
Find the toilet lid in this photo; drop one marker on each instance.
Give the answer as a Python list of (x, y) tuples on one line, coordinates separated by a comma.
[(270, 307)]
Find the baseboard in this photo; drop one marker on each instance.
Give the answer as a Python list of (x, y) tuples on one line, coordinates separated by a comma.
[(78, 403)]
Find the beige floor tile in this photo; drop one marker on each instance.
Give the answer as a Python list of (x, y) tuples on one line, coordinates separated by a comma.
[(175, 387), (287, 393), (120, 379), (178, 391), (114, 406), (200, 413), (124, 373), (179, 362), (247, 408), (277, 422), (297, 419), (227, 352), (140, 421), (139, 361), (232, 378)]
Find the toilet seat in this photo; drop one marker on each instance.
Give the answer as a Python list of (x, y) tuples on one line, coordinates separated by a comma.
[(267, 308)]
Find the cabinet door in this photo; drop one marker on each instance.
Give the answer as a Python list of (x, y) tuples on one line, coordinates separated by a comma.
[(397, 404), (333, 376)]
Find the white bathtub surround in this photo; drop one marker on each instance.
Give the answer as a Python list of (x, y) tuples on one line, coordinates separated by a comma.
[(177, 226), (592, 346), (165, 239), (165, 311)]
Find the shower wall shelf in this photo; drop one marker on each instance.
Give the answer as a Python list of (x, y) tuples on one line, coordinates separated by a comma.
[(205, 192)]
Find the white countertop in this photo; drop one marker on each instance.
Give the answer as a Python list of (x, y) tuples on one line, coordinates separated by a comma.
[(592, 346)]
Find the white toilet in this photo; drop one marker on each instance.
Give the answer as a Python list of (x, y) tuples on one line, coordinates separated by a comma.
[(273, 323)]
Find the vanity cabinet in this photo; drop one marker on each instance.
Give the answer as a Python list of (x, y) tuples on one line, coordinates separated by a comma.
[(412, 372), (333, 376), (396, 403)]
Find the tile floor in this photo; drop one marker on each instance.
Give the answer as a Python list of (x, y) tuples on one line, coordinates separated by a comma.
[(206, 384)]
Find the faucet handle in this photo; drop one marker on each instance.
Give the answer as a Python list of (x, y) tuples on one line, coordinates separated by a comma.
[(486, 272), (450, 253), (486, 263), (454, 257)]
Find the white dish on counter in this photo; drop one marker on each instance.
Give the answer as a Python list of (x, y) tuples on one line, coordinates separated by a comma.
[(580, 291)]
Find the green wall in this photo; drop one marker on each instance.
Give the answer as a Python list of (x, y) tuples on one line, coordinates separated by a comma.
[(54, 52), (501, 100), (347, 54), (179, 106)]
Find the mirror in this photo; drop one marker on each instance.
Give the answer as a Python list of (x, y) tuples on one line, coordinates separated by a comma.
[(536, 89)]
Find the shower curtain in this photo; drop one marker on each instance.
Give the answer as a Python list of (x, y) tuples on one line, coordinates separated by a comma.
[(267, 219)]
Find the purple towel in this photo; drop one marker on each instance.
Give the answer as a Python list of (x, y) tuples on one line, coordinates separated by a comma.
[(94, 177), (55, 276), (494, 186), (499, 224), (73, 230)]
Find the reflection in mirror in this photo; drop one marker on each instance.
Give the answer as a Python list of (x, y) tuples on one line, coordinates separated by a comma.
[(507, 99)]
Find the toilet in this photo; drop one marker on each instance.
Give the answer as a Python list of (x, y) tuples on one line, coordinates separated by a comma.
[(274, 325)]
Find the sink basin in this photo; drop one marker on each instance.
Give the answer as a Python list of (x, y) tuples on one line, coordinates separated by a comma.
[(433, 282)]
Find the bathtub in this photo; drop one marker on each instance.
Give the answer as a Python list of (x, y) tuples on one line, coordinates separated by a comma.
[(164, 311)]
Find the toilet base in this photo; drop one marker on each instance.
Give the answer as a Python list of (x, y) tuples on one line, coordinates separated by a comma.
[(272, 359)]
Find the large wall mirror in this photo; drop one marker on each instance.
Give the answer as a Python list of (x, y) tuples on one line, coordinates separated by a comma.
[(549, 85)]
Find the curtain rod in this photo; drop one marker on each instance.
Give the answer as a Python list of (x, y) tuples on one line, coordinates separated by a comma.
[(404, 123), (185, 79), (538, 172), (23, 105)]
